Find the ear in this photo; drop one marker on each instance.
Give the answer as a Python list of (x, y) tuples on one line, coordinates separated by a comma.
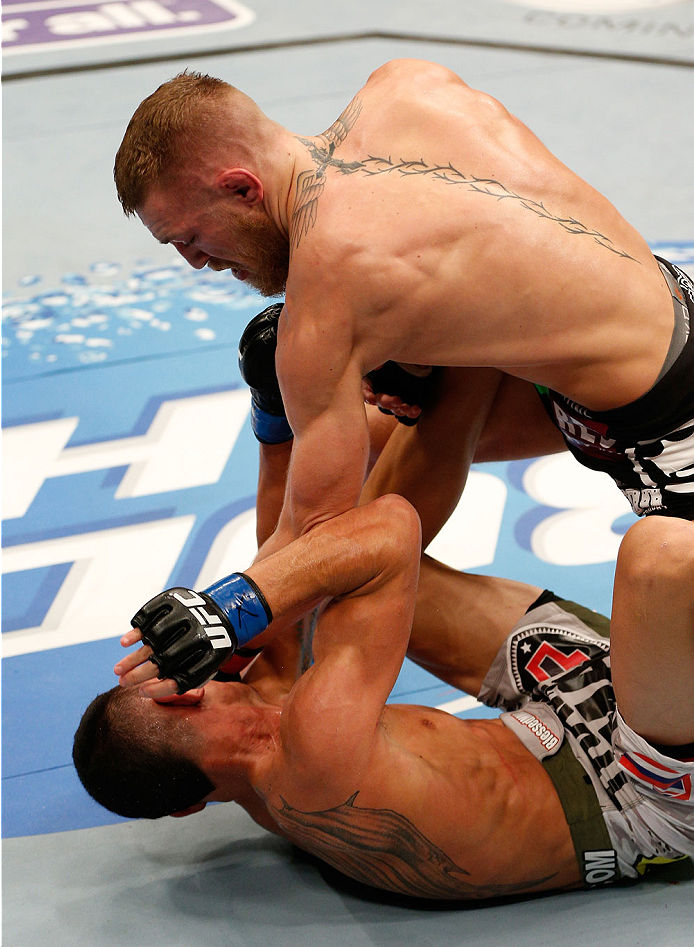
[(198, 807), (243, 184), (189, 699)]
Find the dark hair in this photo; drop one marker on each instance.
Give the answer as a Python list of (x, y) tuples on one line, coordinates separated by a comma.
[(130, 764)]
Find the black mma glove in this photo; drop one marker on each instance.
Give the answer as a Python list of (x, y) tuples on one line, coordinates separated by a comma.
[(192, 634), (257, 363), (392, 379)]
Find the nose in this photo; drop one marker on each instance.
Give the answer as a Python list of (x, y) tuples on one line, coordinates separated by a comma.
[(196, 258)]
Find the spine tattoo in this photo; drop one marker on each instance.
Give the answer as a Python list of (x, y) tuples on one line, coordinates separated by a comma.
[(382, 848), (310, 184)]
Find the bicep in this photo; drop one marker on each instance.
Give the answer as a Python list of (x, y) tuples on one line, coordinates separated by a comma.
[(333, 711), (443, 441), (361, 638)]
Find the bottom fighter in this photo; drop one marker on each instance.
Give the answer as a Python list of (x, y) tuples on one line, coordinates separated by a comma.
[(585, 778)]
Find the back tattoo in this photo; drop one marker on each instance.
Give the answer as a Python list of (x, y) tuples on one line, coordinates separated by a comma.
[(310, 184)]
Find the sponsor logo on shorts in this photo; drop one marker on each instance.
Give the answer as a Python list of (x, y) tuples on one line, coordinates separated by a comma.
[(687, 286), (548, 739), (589, 436), (600, 867), (548, 661), (544, 654), (576, 407), (650, 498), (662, 779)]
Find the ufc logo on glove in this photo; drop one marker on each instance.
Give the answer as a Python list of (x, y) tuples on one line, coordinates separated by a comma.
[(218, 636)]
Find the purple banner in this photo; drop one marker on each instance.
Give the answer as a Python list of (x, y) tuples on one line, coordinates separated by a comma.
[(56, 23)]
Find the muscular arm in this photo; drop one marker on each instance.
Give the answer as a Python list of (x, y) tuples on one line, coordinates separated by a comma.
[(290, 653), (337, 558), (429, 463), (333, 711), (274, 462), (320, 376)]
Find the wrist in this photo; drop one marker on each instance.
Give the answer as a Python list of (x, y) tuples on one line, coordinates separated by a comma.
[(243, 605), (269, 428)]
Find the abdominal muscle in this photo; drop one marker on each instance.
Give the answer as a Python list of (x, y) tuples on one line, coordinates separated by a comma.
[(448, 809), (480, 778)]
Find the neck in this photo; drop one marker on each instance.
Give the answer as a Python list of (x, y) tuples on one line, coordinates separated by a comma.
[(286, 161), (235, 757)]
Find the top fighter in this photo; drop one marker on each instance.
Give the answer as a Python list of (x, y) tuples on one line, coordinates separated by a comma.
[(429, 226)]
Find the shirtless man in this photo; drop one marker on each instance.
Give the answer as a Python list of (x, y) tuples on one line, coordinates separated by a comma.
[(563, 789), (429, 805), (427, 226)]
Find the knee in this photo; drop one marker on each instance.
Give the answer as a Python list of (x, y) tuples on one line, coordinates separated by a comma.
[(659, 549)]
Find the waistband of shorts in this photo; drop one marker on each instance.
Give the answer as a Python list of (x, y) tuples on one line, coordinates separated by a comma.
[(680, 284), (673, 394), (596, 856)]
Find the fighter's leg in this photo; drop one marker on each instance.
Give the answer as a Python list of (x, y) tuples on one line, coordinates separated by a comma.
[(461, 621), (653, 630), (517, 425)]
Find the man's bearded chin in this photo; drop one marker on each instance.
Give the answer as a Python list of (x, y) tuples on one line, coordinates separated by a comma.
[(270, 276), (269, 250)]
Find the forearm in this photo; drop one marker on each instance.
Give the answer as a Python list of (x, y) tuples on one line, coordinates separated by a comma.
[(189, 635), (272, 480), (272, 484), (428, 464), (333, 558), (325, 478), (289, 653)]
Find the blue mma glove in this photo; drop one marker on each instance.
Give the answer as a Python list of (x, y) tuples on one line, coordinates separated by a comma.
[(257, 363), (192, 634), (392, 379)]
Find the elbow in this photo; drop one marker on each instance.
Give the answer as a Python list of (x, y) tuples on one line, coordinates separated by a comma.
[(315, 519), (398, 520)]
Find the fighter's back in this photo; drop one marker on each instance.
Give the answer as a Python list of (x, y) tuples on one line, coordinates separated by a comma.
[(472, 244)]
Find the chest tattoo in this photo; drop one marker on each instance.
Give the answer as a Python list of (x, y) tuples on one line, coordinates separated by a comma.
[(310, 184), (382, 848)]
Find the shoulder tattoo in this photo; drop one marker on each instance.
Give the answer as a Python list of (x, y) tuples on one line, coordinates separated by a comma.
[(382, 848), (310, 184)]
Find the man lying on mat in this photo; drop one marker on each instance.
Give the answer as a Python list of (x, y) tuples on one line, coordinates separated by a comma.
[(584, 779)]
